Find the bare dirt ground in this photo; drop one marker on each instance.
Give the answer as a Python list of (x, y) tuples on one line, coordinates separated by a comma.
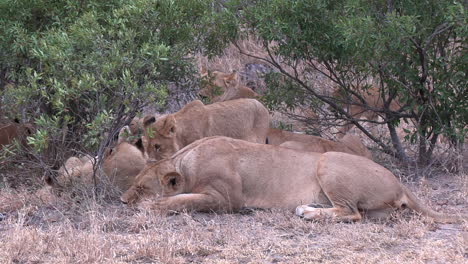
[(40, 227)]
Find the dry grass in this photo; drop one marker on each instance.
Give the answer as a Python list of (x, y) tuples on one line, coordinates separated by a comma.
[(232, 59), (40, 227)]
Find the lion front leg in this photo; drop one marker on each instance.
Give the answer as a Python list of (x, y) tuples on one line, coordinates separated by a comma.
[(191, 202)]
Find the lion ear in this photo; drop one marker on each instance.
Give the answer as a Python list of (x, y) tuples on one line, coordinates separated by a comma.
[(231, 78), (107, 152), (203, 71), (135, 126), (169, 126), (148, 120), (50, 180), (172, 182), (124, 134)]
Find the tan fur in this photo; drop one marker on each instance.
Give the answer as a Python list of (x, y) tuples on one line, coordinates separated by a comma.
[(278, 136), (9, 131), (136, 126), (123, 165), (225, 174), (71, 169), (354, 143), (349, 144), (372, 98), (245, 119), (357, 110), (220, 87), (298, 119), (120, 167)]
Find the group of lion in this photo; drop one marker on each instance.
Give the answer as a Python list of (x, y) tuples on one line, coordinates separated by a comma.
[(224, 156)]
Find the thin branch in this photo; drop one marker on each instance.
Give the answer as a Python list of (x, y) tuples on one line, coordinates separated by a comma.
[(439, 30), (273, 62)]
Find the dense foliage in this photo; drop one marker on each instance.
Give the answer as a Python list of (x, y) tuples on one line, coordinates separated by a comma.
[(81, 69), (414, 51)]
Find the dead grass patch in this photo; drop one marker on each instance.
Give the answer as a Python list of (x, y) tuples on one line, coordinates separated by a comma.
[(55, 229)]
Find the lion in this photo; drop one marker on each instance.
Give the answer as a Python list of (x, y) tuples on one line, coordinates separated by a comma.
[(348, 144), (354, 143), (9, 131), (277, 136), (220, 87), (134, 132), (357, 109), (223, 174), (136, 126), (245, 119), (120, 166)]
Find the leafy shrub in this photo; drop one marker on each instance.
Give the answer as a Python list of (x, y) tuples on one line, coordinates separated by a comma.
[(82, 69), (415, 51)]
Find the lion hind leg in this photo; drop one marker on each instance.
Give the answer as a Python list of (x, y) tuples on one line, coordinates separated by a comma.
[(337, 213)]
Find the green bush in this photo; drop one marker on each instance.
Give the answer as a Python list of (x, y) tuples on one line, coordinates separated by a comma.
[(81, 69), (414, 50)]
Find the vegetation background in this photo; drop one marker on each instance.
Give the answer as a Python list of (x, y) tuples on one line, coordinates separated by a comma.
[(80, 70)]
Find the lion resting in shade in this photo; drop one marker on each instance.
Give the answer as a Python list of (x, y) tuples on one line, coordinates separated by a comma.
[(348, 144), (120, 166)]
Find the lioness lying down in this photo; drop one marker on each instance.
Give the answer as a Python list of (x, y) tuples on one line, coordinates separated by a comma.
[(357, 109), (120, 166), (225, 174), (348, 144)]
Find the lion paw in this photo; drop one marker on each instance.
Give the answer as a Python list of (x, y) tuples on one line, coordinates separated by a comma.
[(300, 210), (308, 212)]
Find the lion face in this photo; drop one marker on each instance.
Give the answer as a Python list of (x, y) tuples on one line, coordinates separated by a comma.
[(15, 131), (160, 148), (160, 140), (120, 165), (217, 83), (151, 182)]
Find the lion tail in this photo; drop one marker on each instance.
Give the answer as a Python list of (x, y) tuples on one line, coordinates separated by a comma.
[(414, 203)]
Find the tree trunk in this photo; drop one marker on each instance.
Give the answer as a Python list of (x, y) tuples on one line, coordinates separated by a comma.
[(426, 148), (401, 155)]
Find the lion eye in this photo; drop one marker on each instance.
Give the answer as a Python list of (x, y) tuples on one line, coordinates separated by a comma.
[(157, 147)]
